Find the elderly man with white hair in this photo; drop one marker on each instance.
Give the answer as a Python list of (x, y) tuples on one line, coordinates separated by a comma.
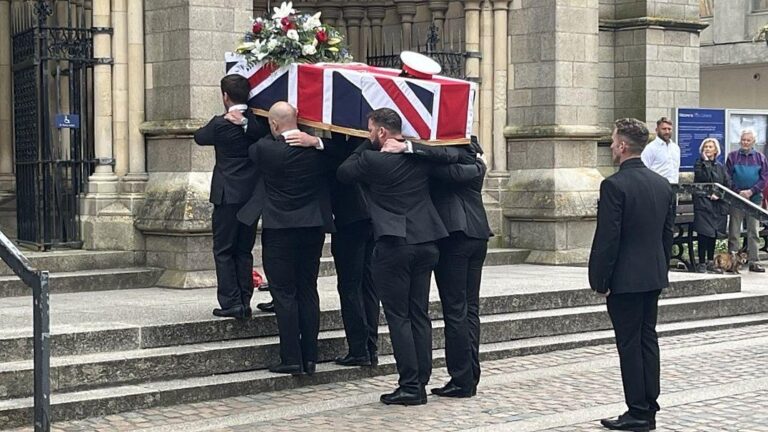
[(747, 171)]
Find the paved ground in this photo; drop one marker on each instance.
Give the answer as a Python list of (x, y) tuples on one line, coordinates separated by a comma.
[(713, 381), (137, 307)]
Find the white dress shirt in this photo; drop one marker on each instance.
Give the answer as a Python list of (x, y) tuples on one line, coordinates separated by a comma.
[(318, 146), (663, 159)]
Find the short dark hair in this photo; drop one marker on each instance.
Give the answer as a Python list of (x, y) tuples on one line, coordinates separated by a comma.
[(664, 120), (237, 87), (387, 118), (634, 132)]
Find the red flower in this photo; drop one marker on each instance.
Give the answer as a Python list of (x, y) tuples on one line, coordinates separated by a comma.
[(257, 27), (287, 24), (321, 36)]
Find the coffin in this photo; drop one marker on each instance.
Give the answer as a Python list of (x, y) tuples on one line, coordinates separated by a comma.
[(339, 96)]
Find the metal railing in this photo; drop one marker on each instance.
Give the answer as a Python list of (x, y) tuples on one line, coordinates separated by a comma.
[(729, 197), (38, 281)]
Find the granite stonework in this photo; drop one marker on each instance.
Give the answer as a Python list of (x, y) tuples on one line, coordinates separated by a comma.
[(185, 43)]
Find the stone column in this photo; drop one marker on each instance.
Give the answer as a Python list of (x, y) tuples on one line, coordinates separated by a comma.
[(353, 15), (472, 48), (6, 108), (120, 85), (407, 11), (486, 82), (135, 180), (103, 180), (182, 95), (500, 73), (438, 8), (330, 13), (657, 56), (550, 199), (376, 15)]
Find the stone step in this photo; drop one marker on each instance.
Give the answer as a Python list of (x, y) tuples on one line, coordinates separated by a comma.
[(137, 366), (99, 336), (109, 400), (74, 260), (86, 281), (495, 257)]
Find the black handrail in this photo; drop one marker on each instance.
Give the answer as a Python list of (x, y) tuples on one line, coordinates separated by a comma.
[(728, 196), (38, 281)]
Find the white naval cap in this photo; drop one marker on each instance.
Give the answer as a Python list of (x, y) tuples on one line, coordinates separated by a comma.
[(418, 65)]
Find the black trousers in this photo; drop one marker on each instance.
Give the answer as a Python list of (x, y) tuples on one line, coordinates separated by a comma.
[(352, 246), (706, 248), (291, 262), (232, 245), (634, 322), (401, 273), (458, 275)]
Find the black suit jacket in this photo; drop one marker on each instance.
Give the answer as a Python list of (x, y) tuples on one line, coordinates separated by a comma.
[(633, 240), (460, 205), (295, 185), (234, 175), (347, 200), (396, 189)]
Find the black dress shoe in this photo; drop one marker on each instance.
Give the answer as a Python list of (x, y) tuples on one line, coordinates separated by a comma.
[(263, 287), (237, 312), (374, 358), (403, 397), (757, 268), (627, 422), (452, 390), (349, 360), (268, 307), (286, 369), (310, 368)]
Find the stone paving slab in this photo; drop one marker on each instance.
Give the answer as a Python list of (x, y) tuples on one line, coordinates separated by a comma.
[(157, 306), (711, 381)]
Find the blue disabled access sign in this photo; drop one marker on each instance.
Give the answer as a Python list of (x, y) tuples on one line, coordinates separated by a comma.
[(68, 121), (693, 126)]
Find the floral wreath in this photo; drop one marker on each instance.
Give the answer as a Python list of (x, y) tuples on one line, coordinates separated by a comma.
[(289, 37)]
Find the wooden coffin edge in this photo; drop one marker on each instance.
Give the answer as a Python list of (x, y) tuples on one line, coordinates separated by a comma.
[(362, 133)]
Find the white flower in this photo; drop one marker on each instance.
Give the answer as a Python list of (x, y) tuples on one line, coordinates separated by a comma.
[(272, 44), (308, 49), (283, 11), (313, 22), (292, 35)]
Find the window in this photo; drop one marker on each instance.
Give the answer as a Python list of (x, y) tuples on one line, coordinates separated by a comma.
[(706, 8), (759, 5)]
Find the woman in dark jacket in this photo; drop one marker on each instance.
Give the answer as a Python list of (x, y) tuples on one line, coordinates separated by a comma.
[(709, 211)]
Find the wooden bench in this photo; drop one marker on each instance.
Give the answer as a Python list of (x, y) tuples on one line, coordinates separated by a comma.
[(685, 235)]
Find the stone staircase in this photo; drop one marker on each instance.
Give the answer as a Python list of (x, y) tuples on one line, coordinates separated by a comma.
[(127, 349)]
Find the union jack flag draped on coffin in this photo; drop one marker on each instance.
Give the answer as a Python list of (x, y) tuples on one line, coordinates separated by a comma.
[(339, 96)]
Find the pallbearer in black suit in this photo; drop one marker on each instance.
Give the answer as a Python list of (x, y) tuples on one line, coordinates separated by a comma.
[(295, 217), (405, 228), (234, 177), (352, 246), (628, 264), (459, 271)]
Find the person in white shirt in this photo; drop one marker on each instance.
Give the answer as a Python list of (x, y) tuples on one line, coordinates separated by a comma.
[(662, 155)]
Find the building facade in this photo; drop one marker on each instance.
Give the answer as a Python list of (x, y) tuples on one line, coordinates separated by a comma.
[(553, 76)]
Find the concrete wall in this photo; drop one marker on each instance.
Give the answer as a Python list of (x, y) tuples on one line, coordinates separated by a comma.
[(735, 87)]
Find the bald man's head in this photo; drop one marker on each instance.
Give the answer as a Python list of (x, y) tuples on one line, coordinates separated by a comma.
[(282, 117)]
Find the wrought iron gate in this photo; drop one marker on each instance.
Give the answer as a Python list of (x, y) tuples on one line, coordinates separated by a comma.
[(52, 76), (443, 52)]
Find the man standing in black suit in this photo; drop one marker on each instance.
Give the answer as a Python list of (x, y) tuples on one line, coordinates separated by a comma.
[(234, 177), (628, 264), (405, 228), (295, 217)]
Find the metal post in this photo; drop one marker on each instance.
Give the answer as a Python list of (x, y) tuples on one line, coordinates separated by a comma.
[(42, 354)]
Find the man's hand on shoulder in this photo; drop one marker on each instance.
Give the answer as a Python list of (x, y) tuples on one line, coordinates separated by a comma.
[(235, 117), (303, 139), (394, 146)]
